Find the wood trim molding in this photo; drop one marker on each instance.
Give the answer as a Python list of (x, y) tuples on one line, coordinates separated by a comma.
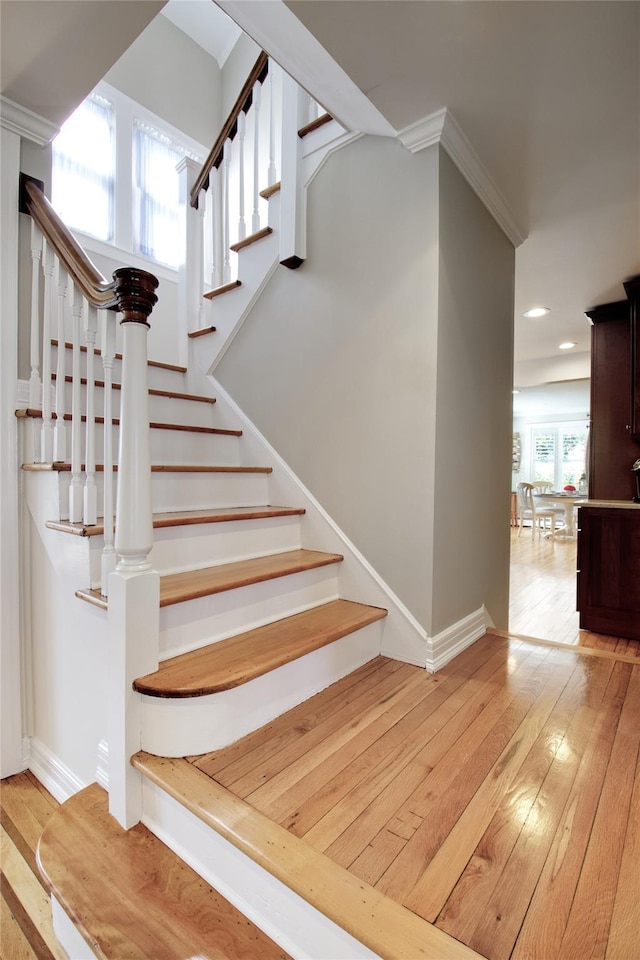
[(26, 123), (441, 127), (50, 770)]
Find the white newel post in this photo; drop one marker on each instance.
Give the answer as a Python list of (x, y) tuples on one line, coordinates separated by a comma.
[(242, 124), (226, 164), (191, 270), (255, 217), (134, 588)]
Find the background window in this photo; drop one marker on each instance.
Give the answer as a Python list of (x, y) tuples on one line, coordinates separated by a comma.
[(559, 454), (157, 190), (83, 175)]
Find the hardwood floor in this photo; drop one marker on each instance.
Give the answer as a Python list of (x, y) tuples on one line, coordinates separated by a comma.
[(543, 595), (498, 799)]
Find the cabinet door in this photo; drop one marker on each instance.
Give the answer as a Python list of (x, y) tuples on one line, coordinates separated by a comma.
[(632, 289), (609, 571)]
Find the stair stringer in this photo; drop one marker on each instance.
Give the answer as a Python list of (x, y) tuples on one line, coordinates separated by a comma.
[(402, 637)]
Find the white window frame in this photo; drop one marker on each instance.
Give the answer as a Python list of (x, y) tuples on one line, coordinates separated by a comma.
[(126, 111), (558, 427)]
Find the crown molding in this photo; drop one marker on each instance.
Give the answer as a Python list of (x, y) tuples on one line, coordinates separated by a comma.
[(26, 123), (440, 127)]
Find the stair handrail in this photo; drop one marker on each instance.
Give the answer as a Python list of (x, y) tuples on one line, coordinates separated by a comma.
[(258, 74), (115, 294)]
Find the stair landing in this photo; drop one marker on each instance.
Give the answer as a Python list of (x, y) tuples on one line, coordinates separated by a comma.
[(138, 899)]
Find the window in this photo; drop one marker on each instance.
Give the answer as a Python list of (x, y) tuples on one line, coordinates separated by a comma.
[(115, 179), (558, 453), (84, 169)]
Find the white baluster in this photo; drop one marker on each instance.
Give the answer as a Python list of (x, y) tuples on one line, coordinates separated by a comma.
[(271, 176), (242, 123), (202, 207), (226, 162), (108, 346), (35, 385), (255, 219), (76, 491), (216, 187), (190, 272), (60, 432), (90, 507), (46, 447)]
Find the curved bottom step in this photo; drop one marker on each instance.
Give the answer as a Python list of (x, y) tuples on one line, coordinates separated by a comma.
[(129, 895)]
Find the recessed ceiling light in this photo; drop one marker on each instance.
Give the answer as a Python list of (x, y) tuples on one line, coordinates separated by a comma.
[(515, 391), (567, 345), (537, 312)]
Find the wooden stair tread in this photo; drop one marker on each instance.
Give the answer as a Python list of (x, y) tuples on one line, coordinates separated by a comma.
[(202, 332), (386, 927), (239, 659), (150, 363), (60, 466), (206, 581), (184, 518), (224, 288), (139, 899), (270, 191), (252, 238), (172, 394), (314, 125), (153, 425)]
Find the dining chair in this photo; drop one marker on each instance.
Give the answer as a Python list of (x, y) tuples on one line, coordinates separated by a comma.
[(528, 510)]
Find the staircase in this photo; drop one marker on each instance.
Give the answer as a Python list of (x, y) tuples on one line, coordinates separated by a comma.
[(262, 603)]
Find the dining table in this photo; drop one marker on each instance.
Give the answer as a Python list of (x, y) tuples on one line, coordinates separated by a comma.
[(568, 501)]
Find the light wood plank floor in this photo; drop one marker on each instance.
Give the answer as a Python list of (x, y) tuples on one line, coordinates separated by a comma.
[(543, 595), (498, 799)]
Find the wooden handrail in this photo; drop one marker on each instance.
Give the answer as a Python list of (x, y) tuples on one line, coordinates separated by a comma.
[(130, 292), (258, 74)]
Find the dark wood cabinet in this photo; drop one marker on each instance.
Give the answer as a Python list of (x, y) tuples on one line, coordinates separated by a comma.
[(609, 570), (614, 440)]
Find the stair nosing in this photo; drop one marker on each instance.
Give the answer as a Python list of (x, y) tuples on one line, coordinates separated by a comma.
[(61, 466), (222, 289), (33, 414), (171, 394), (118, 356), (243, 670), (252, 238)]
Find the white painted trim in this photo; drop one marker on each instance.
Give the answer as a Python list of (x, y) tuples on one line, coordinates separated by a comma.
[(22, 398), (450, 642), (278, 31), (403, 637), (102, 766), (441, 127), (52, 773), (282, 914), (26, 123), (68, 935)]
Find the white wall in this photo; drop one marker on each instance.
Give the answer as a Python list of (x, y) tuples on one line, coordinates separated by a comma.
[(335, 364), (474, 400), (172, 76), (236, 70)]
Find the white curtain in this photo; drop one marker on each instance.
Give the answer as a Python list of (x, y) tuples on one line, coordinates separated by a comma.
[(83, 178)]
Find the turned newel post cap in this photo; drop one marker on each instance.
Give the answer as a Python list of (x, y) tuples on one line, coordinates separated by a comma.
[(135, 292)]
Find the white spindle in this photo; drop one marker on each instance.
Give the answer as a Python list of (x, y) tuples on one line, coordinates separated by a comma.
[(90, 508), (190, 272), (108, 346), (216, 188), (242, 123), (199, 253), (271, 176), (226, 162), (76, 491), (35, 385), (46, 447), (255, 219), (60, 432)]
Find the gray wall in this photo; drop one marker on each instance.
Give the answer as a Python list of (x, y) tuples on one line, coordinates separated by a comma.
[(172, 76), (474, 400), (236, 70), (336, 362)]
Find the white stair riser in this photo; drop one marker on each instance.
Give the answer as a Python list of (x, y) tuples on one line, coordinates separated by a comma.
[(298, 927), (186, 491), (161, 409), (158, 377), (174, 446), (206, 544), (182, 727), (194, 624)]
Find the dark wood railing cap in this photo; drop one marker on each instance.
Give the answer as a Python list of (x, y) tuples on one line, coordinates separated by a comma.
[(135, 293)]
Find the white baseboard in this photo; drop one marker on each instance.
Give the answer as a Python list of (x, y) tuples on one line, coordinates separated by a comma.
[(102, 768), (450, 642), (52, 772)]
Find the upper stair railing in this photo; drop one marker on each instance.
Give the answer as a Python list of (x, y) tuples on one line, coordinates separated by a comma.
[(78, 298), (226, 199)]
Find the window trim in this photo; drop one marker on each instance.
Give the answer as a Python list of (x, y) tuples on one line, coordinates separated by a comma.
[(558, 427), (126, 110)]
